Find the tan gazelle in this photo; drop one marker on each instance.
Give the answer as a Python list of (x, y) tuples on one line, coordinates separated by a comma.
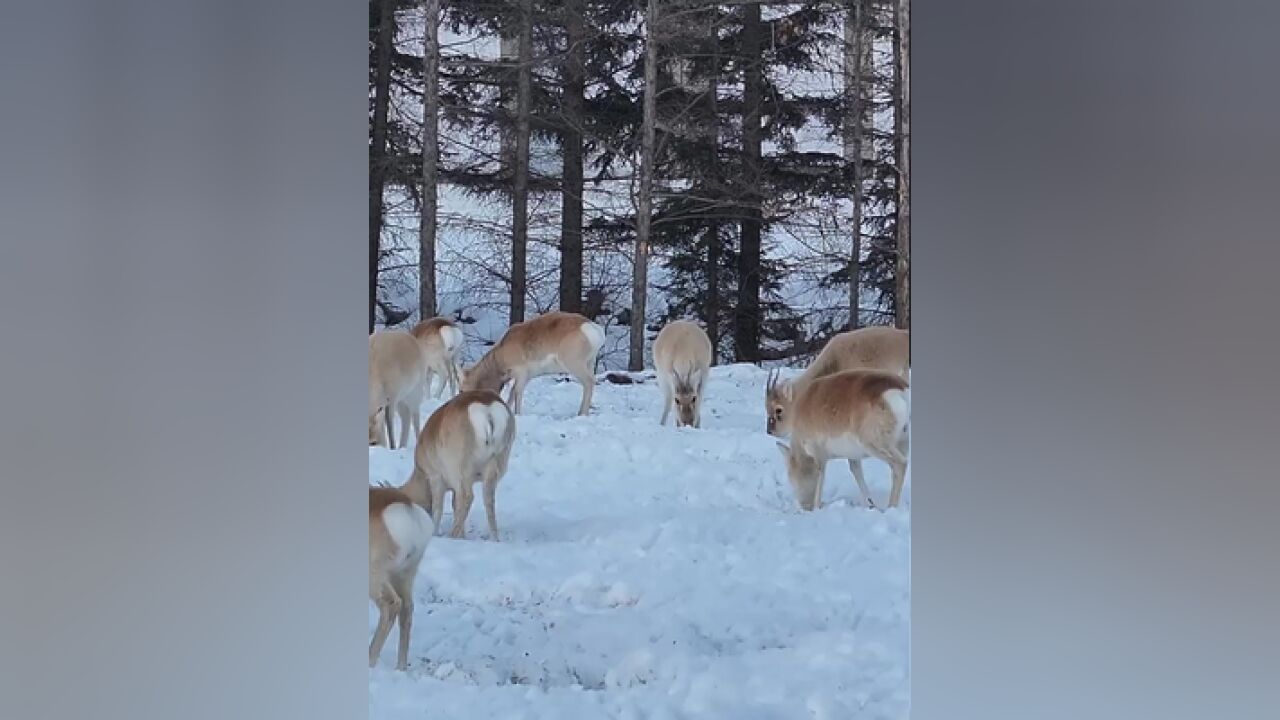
[(466, 440), (551, 343), (853, 414), (399, 531), (397, 382), (682, 358), (441, 341), (873, 348)]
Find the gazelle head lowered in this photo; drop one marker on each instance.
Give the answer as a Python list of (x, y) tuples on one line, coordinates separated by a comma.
[(871, 348), (778, 394), (686, 400), (855, 414), (682, 357)]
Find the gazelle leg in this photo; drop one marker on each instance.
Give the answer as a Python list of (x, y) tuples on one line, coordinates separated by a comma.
[(404, 588), (666, 399), (388, 608), (517, 393), (697, 406), (817, 485), (437, 504), (462, 498), (855, 467), (406, 414), (455, 381), (582, 373), (490, 510), (386, 418), (898, 464)]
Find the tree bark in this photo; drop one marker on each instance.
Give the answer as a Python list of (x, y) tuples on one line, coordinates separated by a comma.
[(746, 338), (430, 160), (572, 173), (902, 131), (644, 195), (520, 183), (712, 237), (711, 234), (378, 147), (853, 47)]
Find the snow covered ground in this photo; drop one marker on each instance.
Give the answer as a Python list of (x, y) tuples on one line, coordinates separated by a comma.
[(658, 573)]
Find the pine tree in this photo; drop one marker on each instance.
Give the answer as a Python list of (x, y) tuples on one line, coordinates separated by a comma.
[(395, 170), (854, 55), (902, 135), (381, 38), (644, 193), (430, 160), (742, 204), (520, 183), (573, 80), (877, 171), (717, 196), (746, 326)]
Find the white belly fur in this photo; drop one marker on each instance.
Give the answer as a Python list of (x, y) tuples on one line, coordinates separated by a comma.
[(548, 365), (843, 446)]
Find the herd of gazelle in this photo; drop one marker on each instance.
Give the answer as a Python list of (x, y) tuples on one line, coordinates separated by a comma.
[(852, 402)]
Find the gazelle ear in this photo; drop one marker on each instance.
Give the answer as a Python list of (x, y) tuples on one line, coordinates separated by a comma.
[(786, 390), (783, 449)]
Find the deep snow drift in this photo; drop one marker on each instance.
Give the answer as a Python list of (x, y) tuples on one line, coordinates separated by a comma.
[(655, 572)]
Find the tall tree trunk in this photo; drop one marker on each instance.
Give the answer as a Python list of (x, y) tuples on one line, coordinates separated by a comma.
[(853, 51), (378, 147), (571, 186), (430, 160), (644, 196), (508, 55), (746, 337), (711, 234), (902, 132), (520, 184)]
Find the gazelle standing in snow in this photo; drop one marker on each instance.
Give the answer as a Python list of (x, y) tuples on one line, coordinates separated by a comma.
[(853, 414), (398, 374), (399, 531), (555, 342), (873, 348), (442, 343), (682, 358), (466, 440)]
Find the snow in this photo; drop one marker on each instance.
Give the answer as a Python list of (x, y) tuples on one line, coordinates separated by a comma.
[(655, 572)]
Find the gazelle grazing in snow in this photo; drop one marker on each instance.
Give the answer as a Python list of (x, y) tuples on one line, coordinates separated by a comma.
[(441, 342), (397, 380), (399, 531), (465, 441), (555, 342), (873, 348), (853, 414), (682, 357)]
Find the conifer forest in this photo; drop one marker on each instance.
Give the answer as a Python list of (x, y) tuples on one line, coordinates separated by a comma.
[(742, 164)]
